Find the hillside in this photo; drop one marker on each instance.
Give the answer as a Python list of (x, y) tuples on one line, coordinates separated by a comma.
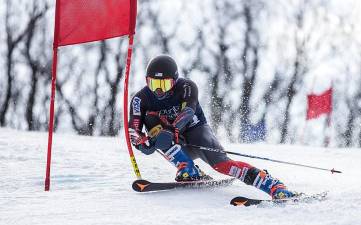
[(92, 176)]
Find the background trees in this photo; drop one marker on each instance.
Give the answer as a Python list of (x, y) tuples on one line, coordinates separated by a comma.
[(252, 60)]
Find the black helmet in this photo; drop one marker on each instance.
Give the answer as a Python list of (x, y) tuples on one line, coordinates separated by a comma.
[(162, 74), (162, 67)]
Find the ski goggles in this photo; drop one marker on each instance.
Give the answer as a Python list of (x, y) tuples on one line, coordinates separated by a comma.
[(163, 84)]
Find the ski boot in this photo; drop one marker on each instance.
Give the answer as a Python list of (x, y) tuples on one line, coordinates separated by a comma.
[(272, 186), (282, 193), (203, 175), (187, 171)]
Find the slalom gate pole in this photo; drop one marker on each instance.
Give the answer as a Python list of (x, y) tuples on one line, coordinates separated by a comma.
[(51, 119), (52, 96), (125, 107), (262, 158)]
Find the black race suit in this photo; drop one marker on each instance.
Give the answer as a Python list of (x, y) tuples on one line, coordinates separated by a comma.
[(196, 132)]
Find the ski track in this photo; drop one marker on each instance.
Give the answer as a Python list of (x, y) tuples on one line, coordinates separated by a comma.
[(91, 184)]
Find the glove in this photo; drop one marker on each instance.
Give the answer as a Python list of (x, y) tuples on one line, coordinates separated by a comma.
[(140, 142), (136, 137)]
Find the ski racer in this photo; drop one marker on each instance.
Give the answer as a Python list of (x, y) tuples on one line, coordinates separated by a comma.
[(168, 107)]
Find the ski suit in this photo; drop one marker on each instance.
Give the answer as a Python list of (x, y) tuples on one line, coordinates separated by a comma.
[(196, 132)]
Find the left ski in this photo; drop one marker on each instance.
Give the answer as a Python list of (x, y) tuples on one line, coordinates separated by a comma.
[(302, 198), (147, 186)]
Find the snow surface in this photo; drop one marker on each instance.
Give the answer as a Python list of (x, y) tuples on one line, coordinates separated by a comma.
[(92, 176)]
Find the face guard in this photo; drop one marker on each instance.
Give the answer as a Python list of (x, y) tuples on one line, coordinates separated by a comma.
[(160, 85)]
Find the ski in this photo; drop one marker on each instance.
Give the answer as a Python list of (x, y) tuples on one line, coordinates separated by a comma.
[(147, 186), (302, 198)]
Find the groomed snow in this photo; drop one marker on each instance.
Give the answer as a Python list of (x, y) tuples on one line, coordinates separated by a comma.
[(91, 184)]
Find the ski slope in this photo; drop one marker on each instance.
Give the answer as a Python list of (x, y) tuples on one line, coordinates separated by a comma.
[(91, 184)]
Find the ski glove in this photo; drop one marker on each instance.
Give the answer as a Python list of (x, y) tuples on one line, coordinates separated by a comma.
[(137, 137), (140, 142)]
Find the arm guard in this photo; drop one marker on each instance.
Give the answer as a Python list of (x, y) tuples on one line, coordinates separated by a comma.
[(184, 117)]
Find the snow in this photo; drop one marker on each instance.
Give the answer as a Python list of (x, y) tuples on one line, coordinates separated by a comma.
[(92, 176)]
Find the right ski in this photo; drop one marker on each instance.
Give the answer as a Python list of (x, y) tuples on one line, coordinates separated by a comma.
[(147, 186), (243, 201)]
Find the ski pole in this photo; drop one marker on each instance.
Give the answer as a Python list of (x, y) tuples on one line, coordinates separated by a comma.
[(262, 158)]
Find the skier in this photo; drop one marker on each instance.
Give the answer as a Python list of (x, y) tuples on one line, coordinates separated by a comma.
[(168, 107)]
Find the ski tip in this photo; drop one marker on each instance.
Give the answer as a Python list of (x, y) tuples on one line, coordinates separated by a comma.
[(140, 185), (240, 201)]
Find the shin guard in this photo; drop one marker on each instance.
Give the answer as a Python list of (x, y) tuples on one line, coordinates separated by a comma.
[(187, 171)]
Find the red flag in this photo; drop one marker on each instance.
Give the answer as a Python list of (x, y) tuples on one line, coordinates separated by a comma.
[(79, 21), (319, 104)]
